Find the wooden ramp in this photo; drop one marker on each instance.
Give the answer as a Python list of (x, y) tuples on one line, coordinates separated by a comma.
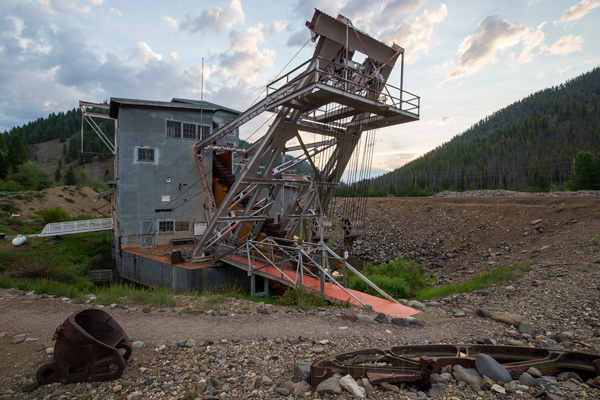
[(331, 291)]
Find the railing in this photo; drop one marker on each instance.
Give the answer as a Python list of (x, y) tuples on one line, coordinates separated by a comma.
[(349, 80), (71, 227), (293, 261)]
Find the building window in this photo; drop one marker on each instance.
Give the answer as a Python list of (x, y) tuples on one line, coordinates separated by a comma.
[(205, 131), (184, 130), (173, 129), (189, 131), (145, 154), (182, 226), (166, 226)]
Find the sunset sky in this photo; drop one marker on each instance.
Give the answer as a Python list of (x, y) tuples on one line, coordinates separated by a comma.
[(465, 59)]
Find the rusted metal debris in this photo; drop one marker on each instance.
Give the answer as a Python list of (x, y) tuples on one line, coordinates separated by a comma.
[(415, 363), (90, 347)]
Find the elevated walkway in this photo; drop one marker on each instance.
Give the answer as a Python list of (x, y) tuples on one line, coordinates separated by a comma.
[(330, 291), (71, 227)]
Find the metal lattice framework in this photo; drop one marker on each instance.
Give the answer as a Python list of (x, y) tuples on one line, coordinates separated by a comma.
[(321, 110)]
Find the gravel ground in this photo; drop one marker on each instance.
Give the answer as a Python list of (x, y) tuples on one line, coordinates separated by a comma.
[(251, 351)]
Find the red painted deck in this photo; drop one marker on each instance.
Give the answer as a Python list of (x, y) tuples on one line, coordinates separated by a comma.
[(331, 290)]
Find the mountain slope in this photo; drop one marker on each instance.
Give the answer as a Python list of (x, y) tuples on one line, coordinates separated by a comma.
[(532, 140)]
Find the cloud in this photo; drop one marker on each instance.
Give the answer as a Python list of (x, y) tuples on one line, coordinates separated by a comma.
[(142, 54), (244, 58), (562, 71), (493, 35), (54, 7), (47, 65), (533, 42), (215, 19), (578, 11), (306, 8), (566, 45), (116, 11), (169, 20), (416, 36), (298, 38)]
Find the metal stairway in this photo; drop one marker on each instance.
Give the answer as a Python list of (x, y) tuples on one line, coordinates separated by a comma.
[(71, 227)]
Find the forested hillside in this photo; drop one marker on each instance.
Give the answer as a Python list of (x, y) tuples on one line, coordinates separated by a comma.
[(61, 132), (527, 145)]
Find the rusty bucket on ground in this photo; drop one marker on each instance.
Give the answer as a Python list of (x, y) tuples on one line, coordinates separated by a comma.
[(90, 347)]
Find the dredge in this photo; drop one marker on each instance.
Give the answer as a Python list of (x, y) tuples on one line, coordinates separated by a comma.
[(194, 207)]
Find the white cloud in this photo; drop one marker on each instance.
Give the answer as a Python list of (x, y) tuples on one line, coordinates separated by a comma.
[(96, 2), (416, 36), (566, 45), (306, 8), (244, 58), (169, 20), (578, 11), (54, 7), (562, 71), (532, 45), (493, 35), (116, 11), (215, 19), (141, 54)]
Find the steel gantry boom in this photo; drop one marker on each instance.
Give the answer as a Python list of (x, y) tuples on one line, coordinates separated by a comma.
[(285, 181)]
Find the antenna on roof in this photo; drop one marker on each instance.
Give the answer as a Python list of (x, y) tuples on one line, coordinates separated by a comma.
[(202, 82)]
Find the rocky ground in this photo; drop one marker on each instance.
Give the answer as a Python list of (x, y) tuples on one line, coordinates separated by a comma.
[(239, 349)]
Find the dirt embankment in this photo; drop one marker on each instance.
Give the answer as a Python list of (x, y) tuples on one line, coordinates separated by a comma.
[(76, 200)]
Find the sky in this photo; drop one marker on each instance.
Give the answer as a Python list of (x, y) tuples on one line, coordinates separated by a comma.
[(464, 58)]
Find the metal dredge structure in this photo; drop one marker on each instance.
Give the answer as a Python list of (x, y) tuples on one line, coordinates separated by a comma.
[(268, 205), (330, 99)]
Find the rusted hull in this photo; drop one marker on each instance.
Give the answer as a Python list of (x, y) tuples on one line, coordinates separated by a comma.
[(88, 349), (414, 364)]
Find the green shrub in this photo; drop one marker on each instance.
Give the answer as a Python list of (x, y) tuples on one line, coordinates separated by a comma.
[(595, 240), (53, 214), (398, 278), (498, 276), (395, 287), (410, 272), (9, 207), (301, 298)]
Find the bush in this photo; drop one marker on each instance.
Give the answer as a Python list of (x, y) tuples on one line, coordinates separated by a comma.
[(301, 298), (395, 287), (398, 278), (29, 177), (53, 214)]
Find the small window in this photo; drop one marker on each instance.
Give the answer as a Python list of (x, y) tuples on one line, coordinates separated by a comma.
[(189, 131), (165, 226), (182, 226), (145, 154), (174, 129), (205, 131)]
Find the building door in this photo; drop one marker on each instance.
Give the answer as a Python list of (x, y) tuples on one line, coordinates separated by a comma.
[(146, 233)]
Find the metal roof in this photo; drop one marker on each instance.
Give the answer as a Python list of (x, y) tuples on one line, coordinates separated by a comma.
[(188, 104)]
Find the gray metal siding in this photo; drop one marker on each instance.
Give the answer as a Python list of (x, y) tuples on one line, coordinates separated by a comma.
[(142, 186)]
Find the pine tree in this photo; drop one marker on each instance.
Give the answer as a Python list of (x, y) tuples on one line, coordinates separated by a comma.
[(16, 153), (57, 175), (70, 177)]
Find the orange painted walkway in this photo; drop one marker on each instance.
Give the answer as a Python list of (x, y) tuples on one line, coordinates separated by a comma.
[(333, 291)]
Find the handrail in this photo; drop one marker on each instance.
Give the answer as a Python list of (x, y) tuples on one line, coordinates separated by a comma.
[(253, 253)]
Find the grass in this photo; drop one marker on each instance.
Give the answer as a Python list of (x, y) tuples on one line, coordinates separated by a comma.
[(160, 297), (301, 298), (595, 240), (399, 278), (498, 276)]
